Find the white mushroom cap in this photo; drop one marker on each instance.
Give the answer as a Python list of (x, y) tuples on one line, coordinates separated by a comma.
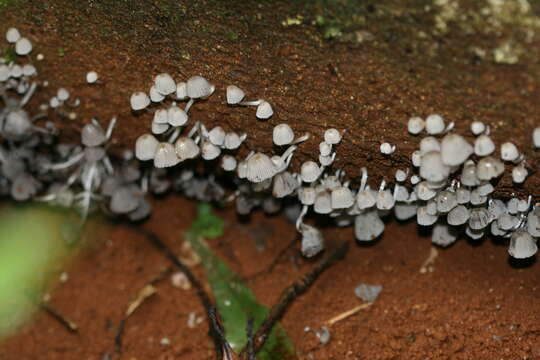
[(181, 91), (12, 35), (443, 235), (368, 226), (401, 193), (186, 148), (332, 136), (478, 127), (489, 168), (284, 184), (536, 137), (217, 136), (165, 156), (387, 148), (228, 162), (485, 189), (424, 192), (342, 198), (325, 148), (366, 199), (323, 203), (264, 110), (455, 150), (310, 171), (177, 116), (496, 208), (139, 100), (405, 211), (458, 215), (92, 135), (161, 116), (416, 125), (327, 160), (23, 46), (159, 128), (468, 174), (54, 102), (428, 144), (432, 167), (474, 234), (434, 124), (463, 195), (155, 95), (234, 94), (210, 151), (385, 200), (533, 222), (29, 70), (507, 222), (312, 240), (62, 94), (424, 218), (479, 219), (509, 152), (232, 141), (519, 174), (522, 245), (198, 87), (446, 201), (91, 77), (512, 205), (307, 195), (260, 168), (145, 147), (123, 201), (400, 175), (483, 146), (416, 158), (164, 84), (282, 135)]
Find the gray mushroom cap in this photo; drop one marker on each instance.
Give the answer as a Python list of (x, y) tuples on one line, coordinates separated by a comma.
[(123, 201), (92, 135)]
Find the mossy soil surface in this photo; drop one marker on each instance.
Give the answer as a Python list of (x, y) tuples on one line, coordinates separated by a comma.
[(366, 73)]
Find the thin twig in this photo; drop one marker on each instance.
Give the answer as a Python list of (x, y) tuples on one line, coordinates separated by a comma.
[(68, 324), (348, 313), (293, 291)]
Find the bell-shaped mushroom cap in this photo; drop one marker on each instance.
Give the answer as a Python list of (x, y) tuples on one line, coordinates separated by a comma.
[(323, 203), (385, 200), (533, 222), (312, 240), (159, 129), (432, 168), (228, 162), (198, 87), (405, 211), (483, 145), (368, 226), (209, 151), (458, 215), (264, 110), (428, 144), (142, 211), (217, 136), (519, 174), (181, 91), (29, 70), (424, 191), (139, 100), (260, 168), (310, 171), (234, 95), (92, 135), (446, 201), (507, 222), (307, 195), (145, 147), (123, 201), (12, 35), (342, 198), (155, 96), (366, 199), (496, 208), (479, 219), (485, 189), (434, 124), (177, 116), (416, 125), (463, 195), (91, 77), (509, 152), (443, 235), (186, 148), (477, 127), (24, 187), (489, 168), (325, 149), (165, 156), (332, 136), (522, 245), (284, 184), (23, 46), (424, 218), (282, 135), (161, 116), (17, 124), (455, 150), (164, 84), (232, 141)]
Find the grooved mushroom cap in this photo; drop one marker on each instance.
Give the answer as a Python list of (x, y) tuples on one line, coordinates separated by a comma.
[(323, 203), (234, 94), (177, 116), (284, 184), (342, 198), (455, 150), (209, 151), (366, 199), (23, 46), (217, 136), (385, 200), (232, 141), (310, 171), (479, 219), (264, 110), (458, 216), (139, 100), (522, 245), (198, 87), (307, 195), (424, 218), (165, 156), (186, 148), (164, 84), (489, 168), (483, 146), (282, 135), (260, 168), (161, 116), (155, 96), (92, 135), (181, 91)]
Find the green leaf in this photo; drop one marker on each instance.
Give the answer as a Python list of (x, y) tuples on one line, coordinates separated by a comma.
[(236, 302)]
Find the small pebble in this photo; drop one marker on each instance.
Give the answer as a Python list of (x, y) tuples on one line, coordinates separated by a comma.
[(368, 293)]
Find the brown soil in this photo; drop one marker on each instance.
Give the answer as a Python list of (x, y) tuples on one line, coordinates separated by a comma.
[(369, 89), (474, 305)]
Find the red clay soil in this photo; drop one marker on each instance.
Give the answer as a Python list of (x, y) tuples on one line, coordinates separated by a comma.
[(473, 305), (369, 88)]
